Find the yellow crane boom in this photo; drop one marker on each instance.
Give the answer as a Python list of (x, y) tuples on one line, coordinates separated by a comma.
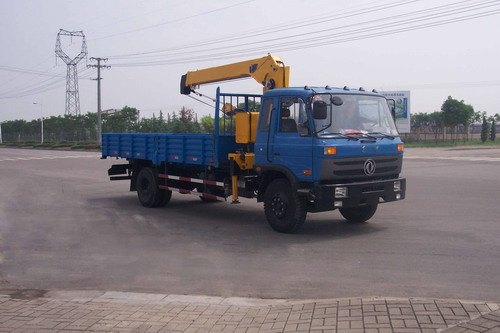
[(270, 71)]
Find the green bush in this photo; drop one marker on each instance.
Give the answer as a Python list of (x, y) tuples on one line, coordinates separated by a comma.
[(62, 145), (484, 130), (493, 131), (43, 145)]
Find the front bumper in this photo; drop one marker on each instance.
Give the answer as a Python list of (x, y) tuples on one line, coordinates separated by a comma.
[(372, 192)]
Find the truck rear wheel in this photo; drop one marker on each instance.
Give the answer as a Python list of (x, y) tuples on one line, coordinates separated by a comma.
[(150, 195), (285, 210), (359, 214), (166, 195)]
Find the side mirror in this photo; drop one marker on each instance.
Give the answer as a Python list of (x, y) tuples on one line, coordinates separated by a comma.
[(320, 109), (392, 105)]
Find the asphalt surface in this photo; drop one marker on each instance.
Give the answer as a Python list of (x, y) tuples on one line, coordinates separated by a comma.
[(64, 225)]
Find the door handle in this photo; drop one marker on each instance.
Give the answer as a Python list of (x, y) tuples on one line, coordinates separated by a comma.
[(277, 154)]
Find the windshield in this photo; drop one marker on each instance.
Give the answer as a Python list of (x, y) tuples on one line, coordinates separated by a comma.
[(358, 114)]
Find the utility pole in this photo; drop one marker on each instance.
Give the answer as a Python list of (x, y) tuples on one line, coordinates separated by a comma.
[(41, 115), (99, 78)]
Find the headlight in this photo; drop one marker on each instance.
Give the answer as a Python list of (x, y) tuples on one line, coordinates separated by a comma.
[(397, 186), (340, 192)]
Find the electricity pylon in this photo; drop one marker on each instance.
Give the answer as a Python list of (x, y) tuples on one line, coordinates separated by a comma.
[(72, 94)]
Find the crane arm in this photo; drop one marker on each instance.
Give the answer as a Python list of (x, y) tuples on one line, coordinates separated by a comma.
[(270, 71)]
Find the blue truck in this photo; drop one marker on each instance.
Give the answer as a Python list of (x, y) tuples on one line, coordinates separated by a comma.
[(297, 150)]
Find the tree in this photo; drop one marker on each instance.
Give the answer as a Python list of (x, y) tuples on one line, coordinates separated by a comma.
[(493, 131), (208, 124), (436, 123), (253, 106), (420, 121), (185, 122), (457, 113), (120, 122), (478, 117), (484, 130)]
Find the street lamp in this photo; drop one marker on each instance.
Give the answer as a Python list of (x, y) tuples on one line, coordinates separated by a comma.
[(41, 113)]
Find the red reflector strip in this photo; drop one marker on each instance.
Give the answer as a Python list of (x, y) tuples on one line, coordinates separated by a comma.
[(174, 157), (193, 159), (126, 153), (139, 154), (209, 196)]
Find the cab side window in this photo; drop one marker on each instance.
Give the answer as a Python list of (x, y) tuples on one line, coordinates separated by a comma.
[(293, 116), (265, 116)]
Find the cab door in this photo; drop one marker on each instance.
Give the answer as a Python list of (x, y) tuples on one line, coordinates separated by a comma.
[(265, 132), (292, 142)]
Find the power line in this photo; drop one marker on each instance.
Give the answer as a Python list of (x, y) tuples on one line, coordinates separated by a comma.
[(274, 29), (172, 21), (342, 37), (11, 80), (28, 71), (39, 87), (469, 84), (309, 39), (35, 84)]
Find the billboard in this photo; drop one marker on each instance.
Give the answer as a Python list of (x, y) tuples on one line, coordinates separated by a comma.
[(402, 100)]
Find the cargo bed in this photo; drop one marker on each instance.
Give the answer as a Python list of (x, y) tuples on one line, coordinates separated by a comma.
[(199, 149)]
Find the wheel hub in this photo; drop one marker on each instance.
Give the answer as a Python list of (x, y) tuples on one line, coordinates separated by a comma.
[(278, 206), (145, 187)]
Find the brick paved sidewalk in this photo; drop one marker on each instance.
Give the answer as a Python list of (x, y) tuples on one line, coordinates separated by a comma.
[(77, 311)]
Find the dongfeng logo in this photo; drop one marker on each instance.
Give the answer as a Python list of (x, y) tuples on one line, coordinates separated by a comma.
[(370, 167)]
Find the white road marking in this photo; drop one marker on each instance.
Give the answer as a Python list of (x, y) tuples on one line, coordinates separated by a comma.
[(454, 158), (47, 158)]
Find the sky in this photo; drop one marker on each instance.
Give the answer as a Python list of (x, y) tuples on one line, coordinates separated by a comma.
[(433, 48)]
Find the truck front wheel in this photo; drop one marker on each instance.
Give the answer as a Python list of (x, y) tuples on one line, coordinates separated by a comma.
[(285, 210), (359, 214), (150, 195)]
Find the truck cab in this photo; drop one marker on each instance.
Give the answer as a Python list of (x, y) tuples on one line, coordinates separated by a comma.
[(336, 147)]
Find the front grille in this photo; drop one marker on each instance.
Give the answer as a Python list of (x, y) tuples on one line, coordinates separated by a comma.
[(356, 162), (357, 172), (352, 169)]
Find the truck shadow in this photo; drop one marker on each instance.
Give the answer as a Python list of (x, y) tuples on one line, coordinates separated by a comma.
[(245, 221)]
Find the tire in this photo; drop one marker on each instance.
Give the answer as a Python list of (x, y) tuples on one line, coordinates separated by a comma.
[(150, 195), (166, 195), (359, 214), (285, 210)]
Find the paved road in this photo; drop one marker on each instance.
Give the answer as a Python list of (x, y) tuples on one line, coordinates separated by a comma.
[(63, 225)]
